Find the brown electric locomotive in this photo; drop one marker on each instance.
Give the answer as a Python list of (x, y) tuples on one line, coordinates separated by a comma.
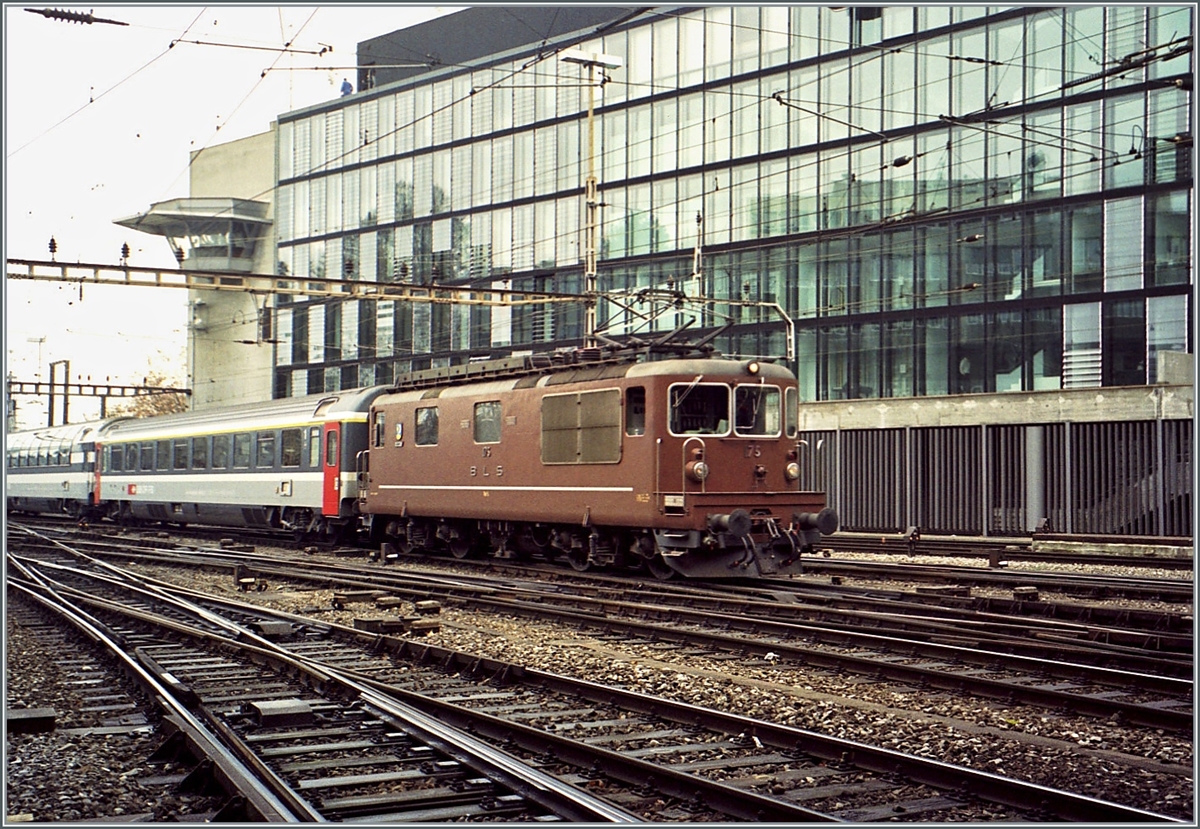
[(686, 465)]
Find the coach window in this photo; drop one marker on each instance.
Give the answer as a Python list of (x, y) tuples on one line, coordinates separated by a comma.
[(116, 458), (290, 442), (264, 457), (487, 422), (163, 461), (314, 447), (199, 453), (427, 426), (331, 448), (131, 457), (181, 454), (241, 451), (635, 411), (147, 456), (221, 451)]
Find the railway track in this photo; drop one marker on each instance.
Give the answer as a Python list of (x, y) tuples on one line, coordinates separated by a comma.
[(1061, 548), (1099, 663), (676, 746)]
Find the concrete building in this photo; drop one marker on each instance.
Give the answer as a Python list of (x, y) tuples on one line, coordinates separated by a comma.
[(226, 224)]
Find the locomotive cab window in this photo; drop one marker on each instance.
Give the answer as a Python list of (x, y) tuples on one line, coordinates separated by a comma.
[(635, 410), (427, 426), (380, 428), (699, 409), (759, 411), (487, 422), (791, 412)]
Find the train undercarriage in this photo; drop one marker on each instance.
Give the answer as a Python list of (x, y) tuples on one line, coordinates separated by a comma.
[(736, 545)]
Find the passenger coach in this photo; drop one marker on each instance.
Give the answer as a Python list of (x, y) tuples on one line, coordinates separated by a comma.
[(287, 464)]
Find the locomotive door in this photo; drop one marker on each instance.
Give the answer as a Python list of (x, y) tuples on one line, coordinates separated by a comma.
[(332, 466)]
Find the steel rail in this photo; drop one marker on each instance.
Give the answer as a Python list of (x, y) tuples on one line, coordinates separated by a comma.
[(261, 801)]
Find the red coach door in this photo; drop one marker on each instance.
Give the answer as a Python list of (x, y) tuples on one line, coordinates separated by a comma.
[(332, 464)]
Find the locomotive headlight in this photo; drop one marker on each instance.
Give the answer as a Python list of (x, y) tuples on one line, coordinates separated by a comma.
[(697, 470), (792, 471), (752, 367)]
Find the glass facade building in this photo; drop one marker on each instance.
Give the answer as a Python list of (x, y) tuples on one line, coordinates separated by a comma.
[(942, 199)]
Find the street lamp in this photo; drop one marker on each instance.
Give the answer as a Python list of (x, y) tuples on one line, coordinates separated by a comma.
[(591, 60)]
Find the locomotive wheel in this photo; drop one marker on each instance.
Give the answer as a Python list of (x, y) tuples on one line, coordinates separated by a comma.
[(660, 569), (461, 547), (578, 558)]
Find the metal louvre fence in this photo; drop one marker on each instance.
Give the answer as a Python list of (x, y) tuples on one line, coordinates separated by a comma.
[(1108, 478)]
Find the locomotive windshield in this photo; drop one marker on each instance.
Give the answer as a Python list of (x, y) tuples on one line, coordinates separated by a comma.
[(699, 409), (758, 410)]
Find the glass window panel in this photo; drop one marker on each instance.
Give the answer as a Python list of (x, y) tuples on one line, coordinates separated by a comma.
[(300, 192), (1172, 233), (440, 182), (1167, 329), (422, 119), (664, 223), (545, 162), (773, 30), (1123, 244), (718, 42), (1125, 140), (639, 64), (835, 101), (522, 165), (690, 129), (718, 122), (1081, 345), (1124, 343)]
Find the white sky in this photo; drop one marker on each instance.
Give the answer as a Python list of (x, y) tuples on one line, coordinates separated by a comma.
[(99, 121)]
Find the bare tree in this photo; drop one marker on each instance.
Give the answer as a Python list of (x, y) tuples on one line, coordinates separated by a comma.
[(153, 405)]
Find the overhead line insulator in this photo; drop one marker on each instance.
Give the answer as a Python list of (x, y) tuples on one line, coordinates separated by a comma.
[(73, 17)]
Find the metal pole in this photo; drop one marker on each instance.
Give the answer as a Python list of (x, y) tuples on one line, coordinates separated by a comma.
[(589, 260)]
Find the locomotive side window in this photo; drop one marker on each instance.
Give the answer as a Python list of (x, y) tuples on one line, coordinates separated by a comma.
[(427, 426), (241, 451), (380, 428), (791, 412), (221, 450), (290, 443), (758, 411), (487, 422), (635, 411), (697, 409), (264, 456), (199, 453)]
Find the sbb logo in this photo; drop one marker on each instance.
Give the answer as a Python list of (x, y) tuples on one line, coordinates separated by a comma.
[(132, 489)]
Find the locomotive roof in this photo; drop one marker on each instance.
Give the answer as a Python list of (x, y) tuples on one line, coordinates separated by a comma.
[(292, 410), (524, 375)]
